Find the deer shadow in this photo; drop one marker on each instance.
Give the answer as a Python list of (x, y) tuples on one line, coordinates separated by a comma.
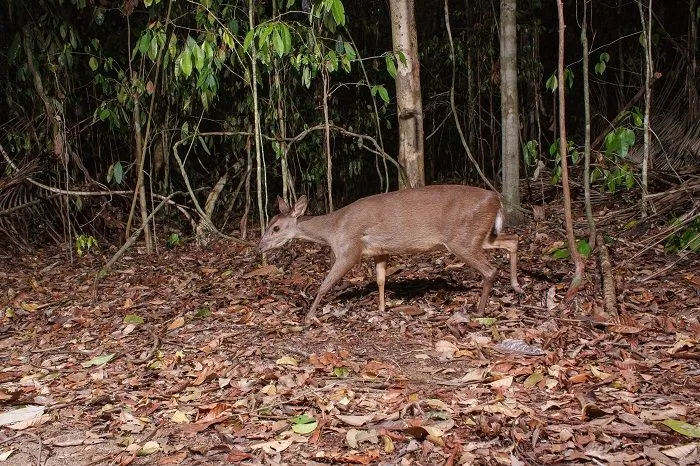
[(403, 288)]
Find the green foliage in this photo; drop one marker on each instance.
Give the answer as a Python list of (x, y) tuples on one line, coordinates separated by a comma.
[(115, 173), (85, 244), (572, 151), (173, 241), (99, 360), (616, 173), (381, 90), (202, 312), (602, 63), (330, 12), (687, 237), (615, 177), (582, 247), (569, 77), (618, 143), (196, 67), (133, 319), (303, 424), (200, 57), (552, 83), (682, 427), (530, 152), (613, 170), (390, 65)]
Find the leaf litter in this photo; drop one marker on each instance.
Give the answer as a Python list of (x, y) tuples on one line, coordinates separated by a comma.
[(199, 357)]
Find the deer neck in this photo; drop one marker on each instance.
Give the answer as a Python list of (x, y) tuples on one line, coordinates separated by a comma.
[(318, 228)]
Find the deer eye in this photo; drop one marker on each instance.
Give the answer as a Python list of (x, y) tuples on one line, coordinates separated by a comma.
[(275, 228)]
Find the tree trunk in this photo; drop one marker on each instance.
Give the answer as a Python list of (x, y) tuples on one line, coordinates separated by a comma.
[(510, 119), (140, 189), (408, 92), (587, 130), (575, 256), (243, 227), (472, 119), (281, 120), (471, 102), (256, 121), (692, 75), (59, 146), (646, 29), (282, 127), (327, 141)]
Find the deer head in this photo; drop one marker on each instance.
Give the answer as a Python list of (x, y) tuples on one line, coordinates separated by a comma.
[(283, 227)]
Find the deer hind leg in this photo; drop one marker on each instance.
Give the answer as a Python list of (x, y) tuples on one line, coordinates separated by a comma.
[(475, 258), (510, 244), (342, 265), (380, 265)]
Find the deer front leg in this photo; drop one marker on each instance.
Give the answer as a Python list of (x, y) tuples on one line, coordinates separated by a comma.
[(342, 265), (380, 266)]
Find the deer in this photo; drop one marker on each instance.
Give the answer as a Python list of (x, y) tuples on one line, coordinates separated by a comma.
[(465, 220)]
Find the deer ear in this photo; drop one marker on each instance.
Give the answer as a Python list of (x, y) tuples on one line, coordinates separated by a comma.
[(283, 206), (300, 207)]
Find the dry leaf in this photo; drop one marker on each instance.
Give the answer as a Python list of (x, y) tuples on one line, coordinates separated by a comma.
[(624, 329), (411, 311), (518, 347), (355, 421), (502, 384), (149, 448), (551, 295), (31, 422), (177, 458), (25, 413), (177, 323), (475, 375), (661, 414), (500, 408), (682, 451), (287, 361), (236, 456), (354, 437), (275, 446), (388, 444), (683, 345), (533, 379), (446, 349), (179, 417)]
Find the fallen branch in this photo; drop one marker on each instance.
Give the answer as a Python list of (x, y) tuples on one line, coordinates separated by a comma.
[(132, 239), (206, 220)]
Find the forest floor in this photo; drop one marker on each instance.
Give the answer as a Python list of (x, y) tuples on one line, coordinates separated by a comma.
[(197, 356)]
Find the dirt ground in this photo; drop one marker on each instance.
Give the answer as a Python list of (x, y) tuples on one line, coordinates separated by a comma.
[(198, 357)]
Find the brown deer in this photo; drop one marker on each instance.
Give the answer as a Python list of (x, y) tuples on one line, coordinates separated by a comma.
[(465, 220)]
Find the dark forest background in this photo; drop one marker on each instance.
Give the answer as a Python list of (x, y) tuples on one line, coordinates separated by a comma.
[(88, 85)]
